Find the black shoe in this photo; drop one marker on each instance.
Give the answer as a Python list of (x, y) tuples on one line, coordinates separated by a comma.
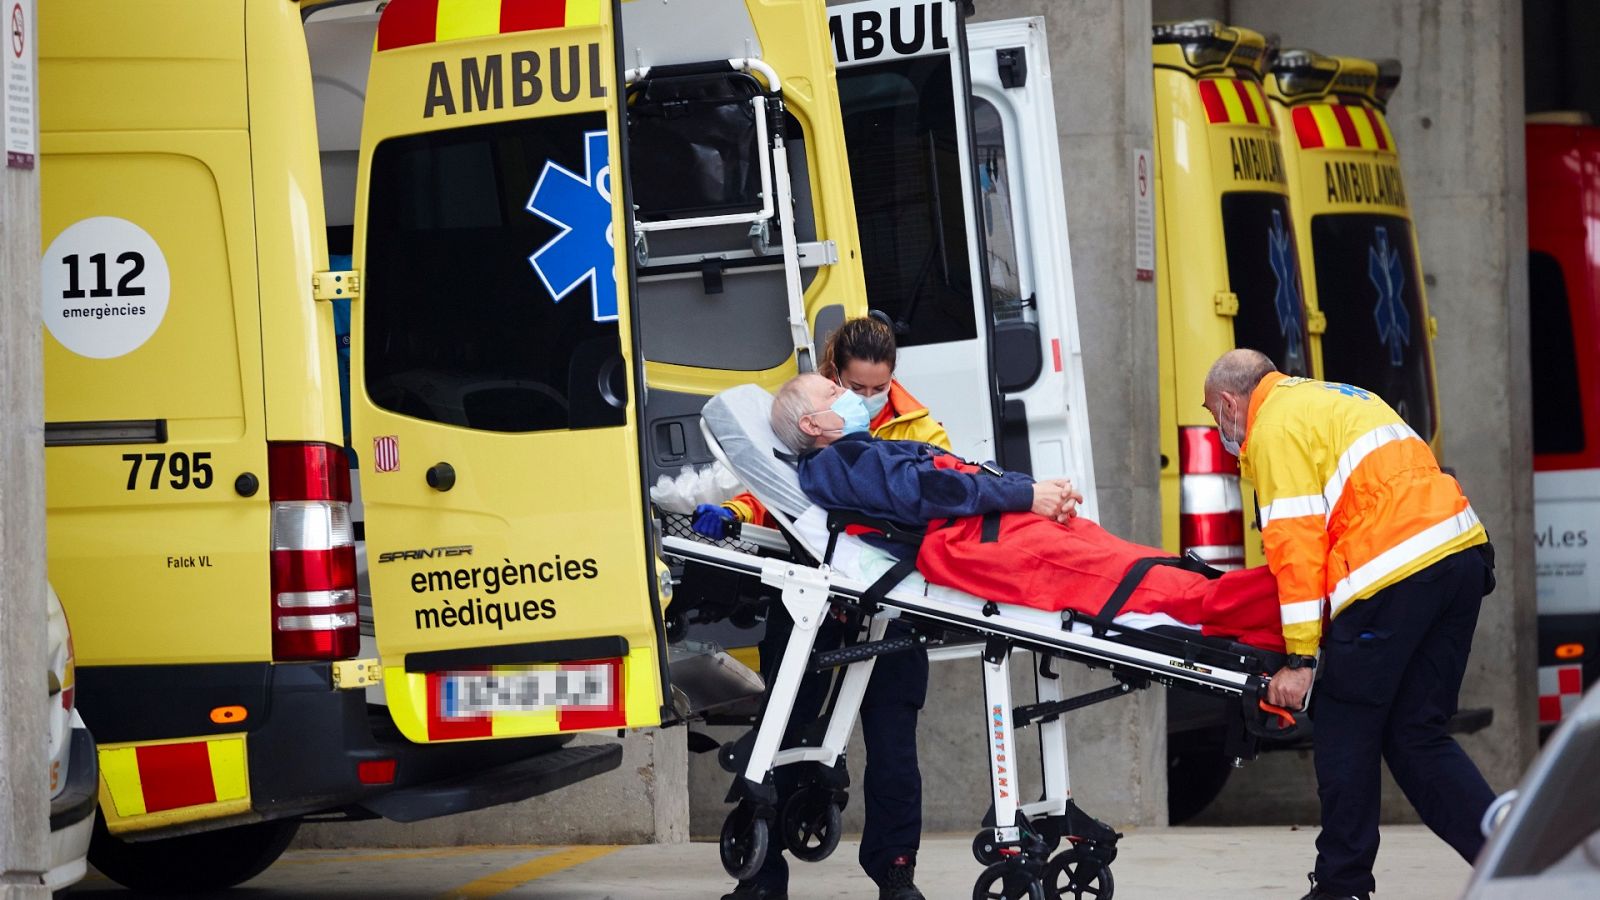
[(898, 883), (749, 890), (1317, 893)]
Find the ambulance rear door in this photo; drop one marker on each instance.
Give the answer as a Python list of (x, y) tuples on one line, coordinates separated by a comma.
[(493, 383), (1022, 211), (902, 89)]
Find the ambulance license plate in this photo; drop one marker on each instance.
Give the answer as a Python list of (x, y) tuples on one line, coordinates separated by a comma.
[(533, 689)]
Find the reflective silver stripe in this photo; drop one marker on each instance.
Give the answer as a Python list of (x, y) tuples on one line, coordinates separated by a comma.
[(327, 622), (1401, 555), (1356, 452), (341, 597), (1301, 611), (1294, 507), (1209, 494)]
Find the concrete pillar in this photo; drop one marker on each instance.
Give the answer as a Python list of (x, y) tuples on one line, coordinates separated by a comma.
[(24, 781), (644, 801), (1458, 119)]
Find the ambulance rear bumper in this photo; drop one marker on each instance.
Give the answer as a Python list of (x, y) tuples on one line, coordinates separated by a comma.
[(306, 743)]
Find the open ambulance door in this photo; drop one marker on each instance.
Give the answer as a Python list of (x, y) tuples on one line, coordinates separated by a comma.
[(903, 88), (1023, 213), (493, 380)]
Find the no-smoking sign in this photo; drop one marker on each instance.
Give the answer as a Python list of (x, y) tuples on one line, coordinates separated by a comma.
[(18, 93)]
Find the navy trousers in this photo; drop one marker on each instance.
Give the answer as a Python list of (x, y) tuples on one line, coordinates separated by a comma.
[(1391, 675), (892, 783)]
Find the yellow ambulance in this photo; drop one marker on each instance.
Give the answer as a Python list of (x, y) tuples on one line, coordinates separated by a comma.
[(522, 265), (1227, 268), (1354, 227), (1227, 275)]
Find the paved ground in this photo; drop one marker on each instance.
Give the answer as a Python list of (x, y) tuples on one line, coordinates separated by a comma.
[(1154, 864)]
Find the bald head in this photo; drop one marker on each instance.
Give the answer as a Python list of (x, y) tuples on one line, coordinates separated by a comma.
[(1237, 372)]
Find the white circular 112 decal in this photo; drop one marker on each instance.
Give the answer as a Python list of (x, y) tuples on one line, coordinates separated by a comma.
[(106, 287)]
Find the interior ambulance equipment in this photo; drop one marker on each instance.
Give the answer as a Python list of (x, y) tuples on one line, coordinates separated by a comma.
[(1364, 279), (512, 292), (1227, 275), (1563, 152), (831, 568)]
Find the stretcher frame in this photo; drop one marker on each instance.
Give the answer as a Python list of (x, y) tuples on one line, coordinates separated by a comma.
[(1022, 833)]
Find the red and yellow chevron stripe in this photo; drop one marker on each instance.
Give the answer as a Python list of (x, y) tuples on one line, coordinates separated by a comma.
[(1342, 126), (1234, 101), (406, 23), (194, 778)]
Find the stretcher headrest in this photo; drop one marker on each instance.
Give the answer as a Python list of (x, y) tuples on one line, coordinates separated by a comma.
[(740, 419)]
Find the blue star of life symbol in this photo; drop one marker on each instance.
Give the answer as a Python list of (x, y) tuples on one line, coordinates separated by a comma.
[(584, 250), (1287, 297), (1394, 322), (1349, 390)]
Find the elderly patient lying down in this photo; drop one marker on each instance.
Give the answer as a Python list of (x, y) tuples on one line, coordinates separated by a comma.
[(1001, 535)]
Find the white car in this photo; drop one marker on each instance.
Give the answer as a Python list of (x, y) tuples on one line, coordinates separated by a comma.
[(74, 768), (1546, 839)]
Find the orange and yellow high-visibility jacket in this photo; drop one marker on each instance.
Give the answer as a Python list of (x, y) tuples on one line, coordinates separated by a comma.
[(1351, 499)]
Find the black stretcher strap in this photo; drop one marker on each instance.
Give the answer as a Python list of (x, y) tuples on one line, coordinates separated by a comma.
[(1106, 617), (989, 533)]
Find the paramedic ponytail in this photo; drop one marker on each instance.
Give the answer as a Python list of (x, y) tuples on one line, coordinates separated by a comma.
[(867, 339)]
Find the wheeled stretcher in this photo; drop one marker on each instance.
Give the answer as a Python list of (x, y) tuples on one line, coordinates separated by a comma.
[(828, 569)]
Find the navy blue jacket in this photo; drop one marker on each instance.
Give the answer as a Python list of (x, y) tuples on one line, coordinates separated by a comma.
[(897, 480)]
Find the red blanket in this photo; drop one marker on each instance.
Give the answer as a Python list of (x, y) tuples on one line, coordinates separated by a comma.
[(1041, 563)]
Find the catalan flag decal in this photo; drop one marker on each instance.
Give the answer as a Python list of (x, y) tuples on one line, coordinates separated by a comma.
[(406, 23), (1342, 126), (1234, 101)]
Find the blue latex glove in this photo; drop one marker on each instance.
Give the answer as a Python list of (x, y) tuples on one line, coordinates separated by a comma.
[(712, 520)]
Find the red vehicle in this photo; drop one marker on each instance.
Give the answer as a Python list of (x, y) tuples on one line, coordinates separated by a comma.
[(1563, 154)]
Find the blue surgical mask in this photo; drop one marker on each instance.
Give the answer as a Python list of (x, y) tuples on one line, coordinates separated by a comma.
[(853, 410), (876, 403), (1230, 444)]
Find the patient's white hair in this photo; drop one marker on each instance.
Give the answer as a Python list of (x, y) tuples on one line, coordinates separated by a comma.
[(788, 408)]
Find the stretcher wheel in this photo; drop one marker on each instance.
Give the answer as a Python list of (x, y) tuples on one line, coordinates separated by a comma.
[(984, 849), (743, 845), (1008, 880), (1076, 874), (811, 824)]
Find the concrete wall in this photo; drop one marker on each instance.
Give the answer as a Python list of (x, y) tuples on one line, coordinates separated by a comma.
[(1458, 119)]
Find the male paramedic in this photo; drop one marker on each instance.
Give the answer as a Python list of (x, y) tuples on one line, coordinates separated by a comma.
[(1364, 532)]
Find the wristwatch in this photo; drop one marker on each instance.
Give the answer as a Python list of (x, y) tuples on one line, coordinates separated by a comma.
[(1301, 661)]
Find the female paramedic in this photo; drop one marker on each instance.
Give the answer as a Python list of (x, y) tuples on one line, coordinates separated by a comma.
[(860, 357)]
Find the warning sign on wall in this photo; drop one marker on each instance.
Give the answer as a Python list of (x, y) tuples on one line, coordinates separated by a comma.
[(1144, 217), (19, 103)]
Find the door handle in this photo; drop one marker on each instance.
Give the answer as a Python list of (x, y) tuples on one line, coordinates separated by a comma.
[(441, 476)]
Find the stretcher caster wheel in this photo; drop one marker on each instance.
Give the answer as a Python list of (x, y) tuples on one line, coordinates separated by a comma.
[(811, 825), (1076, 874), (984, 849), (743, 844), (1008, 880)]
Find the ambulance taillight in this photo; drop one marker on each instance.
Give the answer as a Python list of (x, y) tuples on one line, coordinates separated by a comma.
[(314, 613), (1210, 506)]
